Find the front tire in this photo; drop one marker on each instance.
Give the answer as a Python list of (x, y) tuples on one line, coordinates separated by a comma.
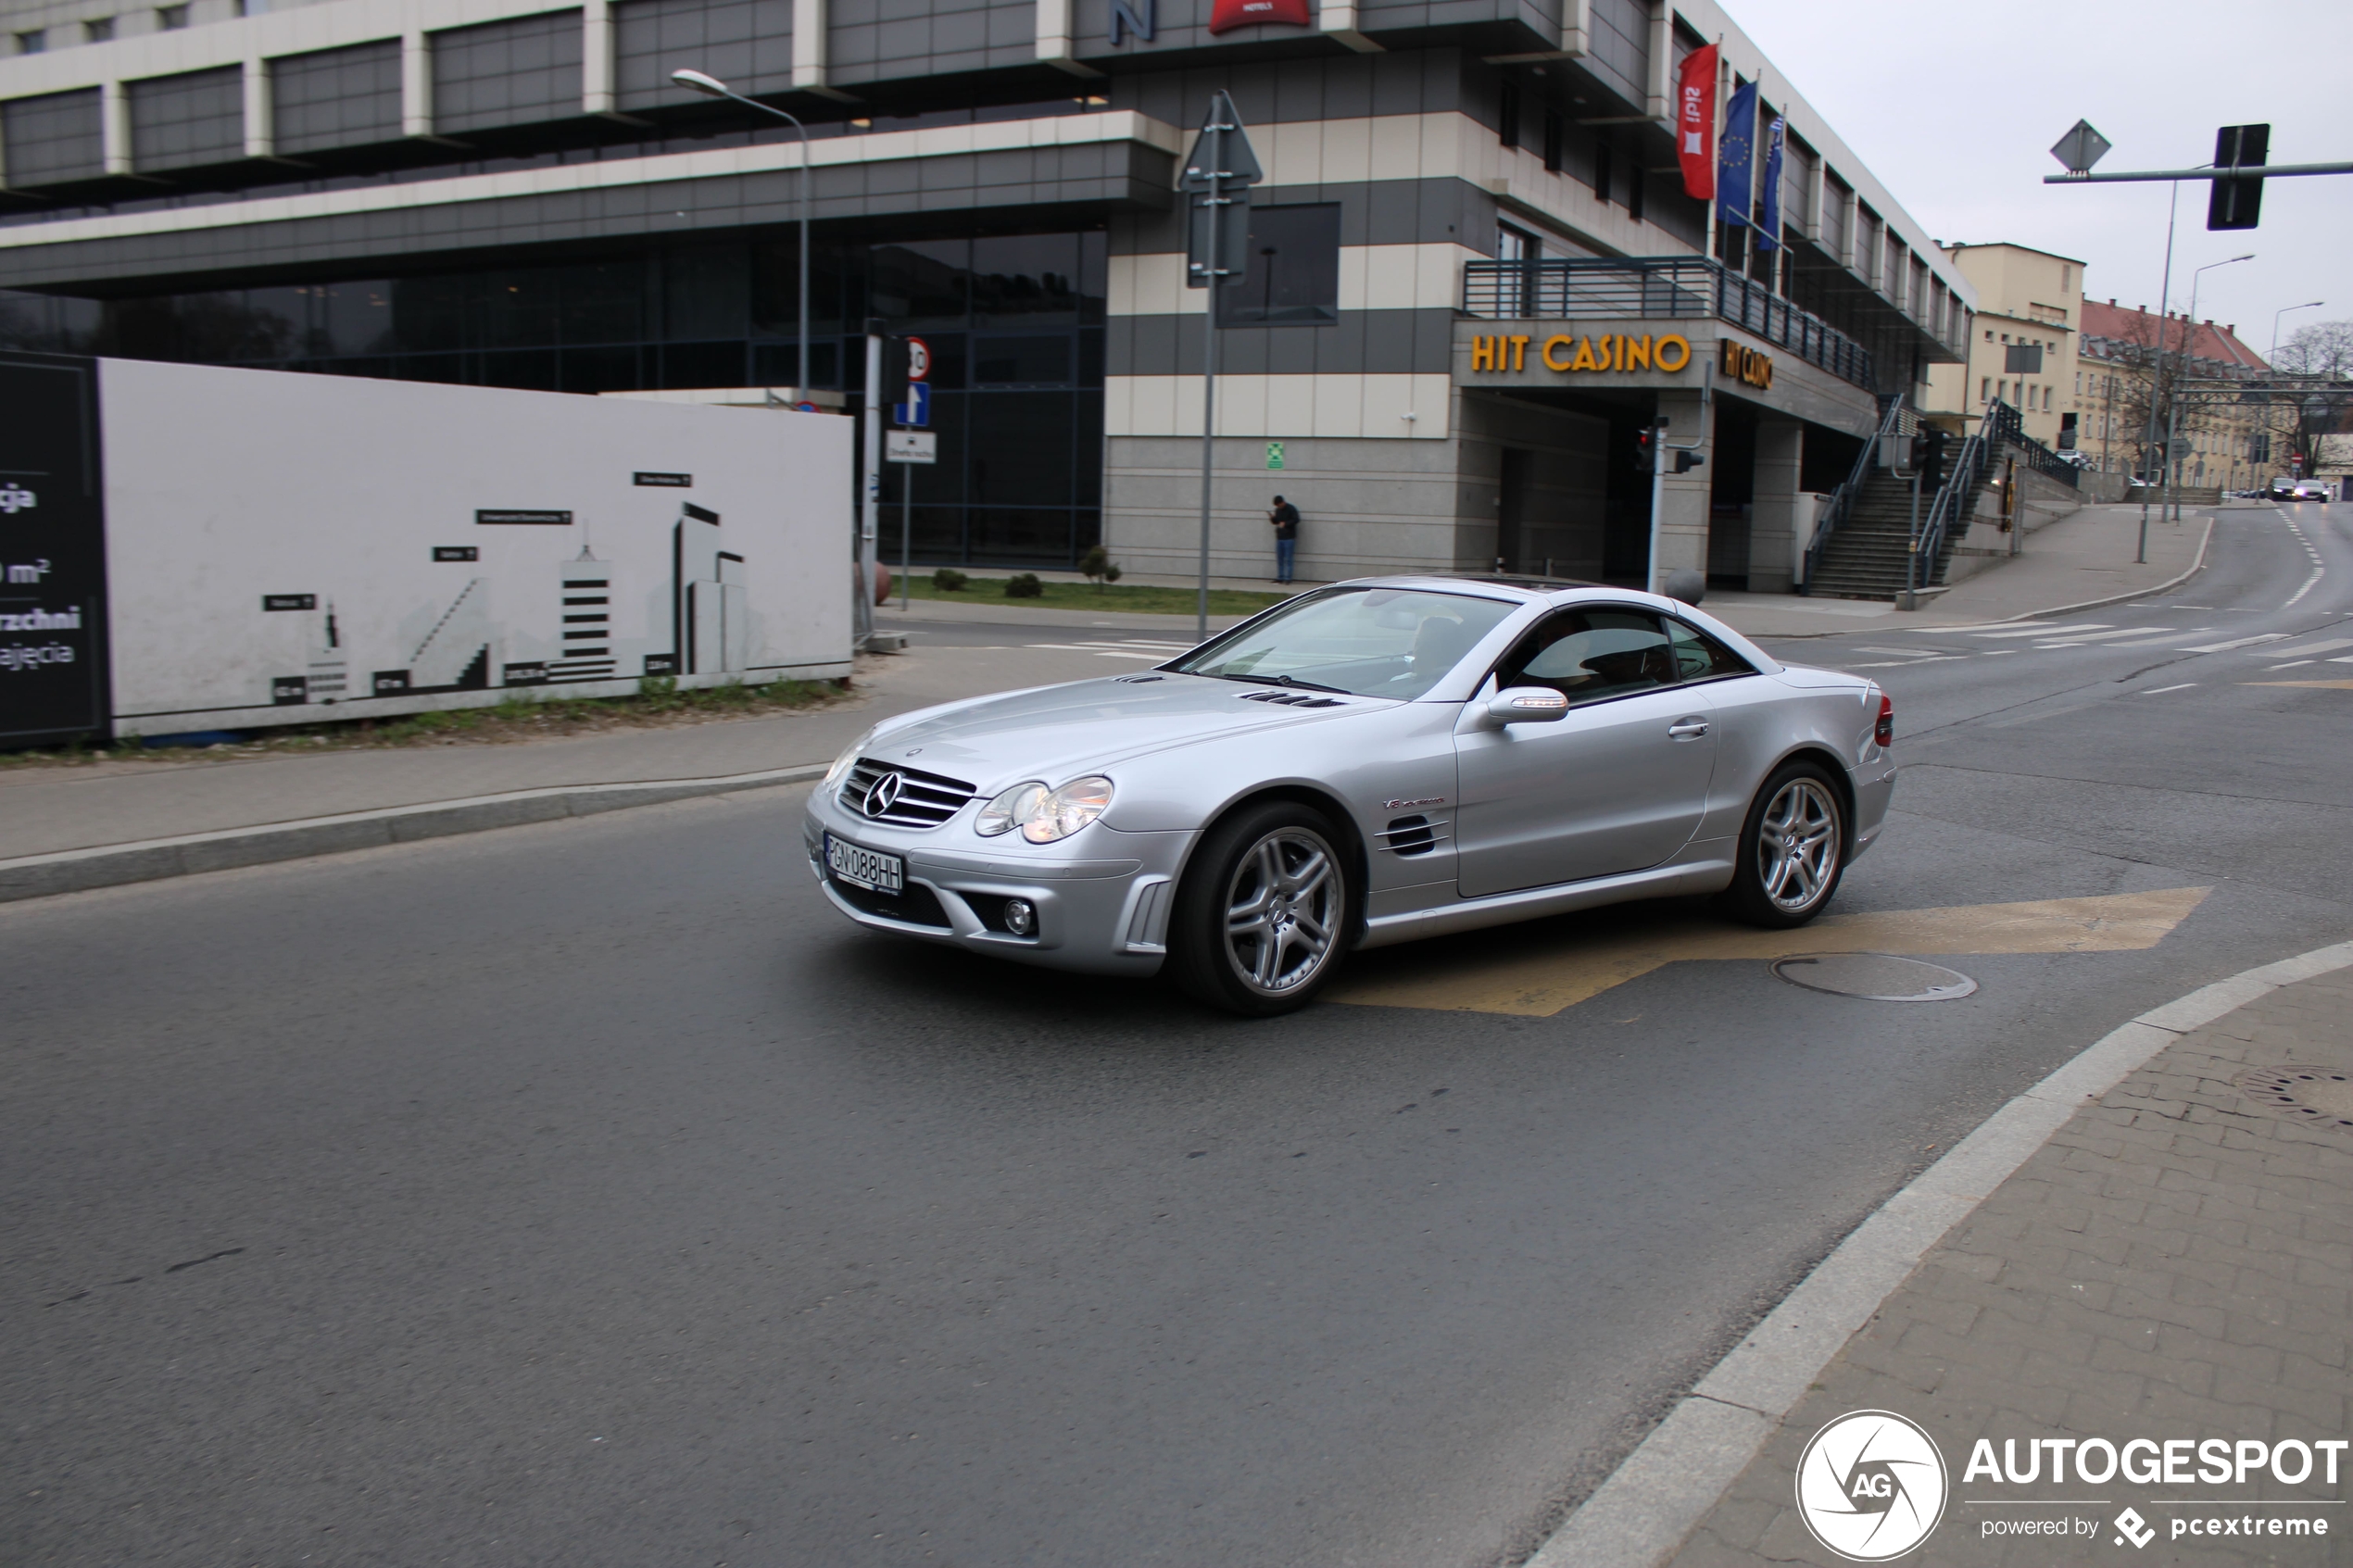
[(1263, 915), (1792, 849)]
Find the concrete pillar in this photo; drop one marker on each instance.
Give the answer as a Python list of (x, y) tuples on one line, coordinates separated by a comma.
[(1681, 524), (1772, 527)]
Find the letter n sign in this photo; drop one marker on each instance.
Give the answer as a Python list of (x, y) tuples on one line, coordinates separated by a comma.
[(1133, 16)]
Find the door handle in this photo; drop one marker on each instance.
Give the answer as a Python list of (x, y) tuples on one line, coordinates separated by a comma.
[(1688, 729)]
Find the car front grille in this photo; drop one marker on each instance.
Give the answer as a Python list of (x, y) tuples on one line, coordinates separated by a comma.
[(923, 800), (918, 906)]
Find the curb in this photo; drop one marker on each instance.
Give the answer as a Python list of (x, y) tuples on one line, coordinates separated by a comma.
[(1649, 1504), (2195, 567), (111, 865)]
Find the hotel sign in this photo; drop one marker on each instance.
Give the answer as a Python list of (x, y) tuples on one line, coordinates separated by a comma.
[(1601, 354)]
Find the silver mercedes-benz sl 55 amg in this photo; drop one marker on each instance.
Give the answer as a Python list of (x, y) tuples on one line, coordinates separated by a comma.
[(1366, 763)]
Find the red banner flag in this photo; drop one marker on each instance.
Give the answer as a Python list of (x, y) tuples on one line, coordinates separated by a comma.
[(1695, 122)]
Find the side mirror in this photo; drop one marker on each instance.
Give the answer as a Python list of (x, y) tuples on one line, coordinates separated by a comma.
[(1527, 705)]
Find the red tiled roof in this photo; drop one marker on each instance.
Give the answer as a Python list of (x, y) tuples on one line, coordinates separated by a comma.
[(2102, 319)]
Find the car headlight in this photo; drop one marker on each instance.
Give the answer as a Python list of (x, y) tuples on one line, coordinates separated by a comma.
[(1044, 815), (842, 763)]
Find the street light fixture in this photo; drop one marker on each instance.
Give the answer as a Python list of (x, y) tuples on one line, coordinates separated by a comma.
[(2308, 304), (712, 87), (2181, 369)]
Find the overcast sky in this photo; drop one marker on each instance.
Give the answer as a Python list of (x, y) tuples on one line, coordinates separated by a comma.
[(1955, 107)]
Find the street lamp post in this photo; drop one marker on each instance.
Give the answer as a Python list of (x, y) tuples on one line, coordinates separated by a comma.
[(712, 87), (2181, 369)]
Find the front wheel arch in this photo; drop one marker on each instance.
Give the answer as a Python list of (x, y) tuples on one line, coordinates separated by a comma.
[(1343, 822)]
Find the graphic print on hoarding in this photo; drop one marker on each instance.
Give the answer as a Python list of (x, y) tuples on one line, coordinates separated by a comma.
[(52, 626)]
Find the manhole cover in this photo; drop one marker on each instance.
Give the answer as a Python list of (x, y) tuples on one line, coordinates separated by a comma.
[(1875, 977), (2320, 1096)]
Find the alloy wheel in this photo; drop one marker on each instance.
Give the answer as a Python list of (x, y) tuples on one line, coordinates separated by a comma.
[(1797, 846), (1284, 909)]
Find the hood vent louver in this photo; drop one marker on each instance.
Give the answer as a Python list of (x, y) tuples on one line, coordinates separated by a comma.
[(1133, 680), (1293, 699)]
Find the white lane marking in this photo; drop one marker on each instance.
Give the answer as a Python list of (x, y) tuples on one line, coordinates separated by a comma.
[(1924, 653), (2155, 691), (2076, 639), (2289, 665), (1076, 648), (2242, 642), (2153, 642), (2076, 628), (2330, 646)]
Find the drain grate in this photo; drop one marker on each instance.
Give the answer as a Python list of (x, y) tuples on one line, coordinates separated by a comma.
[(2320, 1096), (1875, 977)]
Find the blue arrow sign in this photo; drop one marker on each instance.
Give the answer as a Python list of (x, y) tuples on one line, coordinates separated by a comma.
[(915, 413)]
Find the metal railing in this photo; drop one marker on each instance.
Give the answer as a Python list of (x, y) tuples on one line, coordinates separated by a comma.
[(1665, 288), (1843, 499), (1950, 510), (2003, 422)]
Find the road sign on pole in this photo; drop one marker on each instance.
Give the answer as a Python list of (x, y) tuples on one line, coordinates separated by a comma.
[(916, 410), (2238, 203), (914, 446), (2080, 148), (1221, 165)]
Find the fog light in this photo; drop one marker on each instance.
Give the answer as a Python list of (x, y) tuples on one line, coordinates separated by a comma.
[(1020, 919)]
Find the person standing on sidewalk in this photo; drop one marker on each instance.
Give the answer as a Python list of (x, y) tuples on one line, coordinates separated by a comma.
[(1285, 517)]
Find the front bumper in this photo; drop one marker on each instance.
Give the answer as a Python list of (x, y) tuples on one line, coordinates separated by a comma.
[(1101, 896)]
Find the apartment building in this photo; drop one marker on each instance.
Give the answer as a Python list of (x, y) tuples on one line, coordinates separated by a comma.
[(2131, 356), (1477, 280), (2023, 350)]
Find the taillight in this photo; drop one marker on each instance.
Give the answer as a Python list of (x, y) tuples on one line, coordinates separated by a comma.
[(1884, 730)]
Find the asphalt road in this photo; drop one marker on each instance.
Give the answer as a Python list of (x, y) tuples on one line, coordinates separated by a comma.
[(590, 1193)]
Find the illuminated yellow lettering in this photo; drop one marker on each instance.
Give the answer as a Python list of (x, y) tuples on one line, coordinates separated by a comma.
[(1584, 360), (1676, 345), (1546, 353), (1482, 353), (1635, 355), (1519, 352)]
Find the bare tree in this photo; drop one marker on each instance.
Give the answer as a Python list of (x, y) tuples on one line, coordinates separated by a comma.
[(2320, 355)]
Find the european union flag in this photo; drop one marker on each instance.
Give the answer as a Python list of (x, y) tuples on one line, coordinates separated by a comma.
[(1735, 158), (1769, 223)]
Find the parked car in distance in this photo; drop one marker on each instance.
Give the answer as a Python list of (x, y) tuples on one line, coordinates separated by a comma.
[(1368, 763), (2282, 488)]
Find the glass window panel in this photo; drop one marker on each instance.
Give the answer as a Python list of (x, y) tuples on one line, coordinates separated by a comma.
[(1294, 270), (1032, 360), (1094, 270), (706, 293), (778, 364), (922, 283), (518, 309), (353, 318), (1589, 656), (430, 313), (613, 368), (533, 369), (603, 302), (703, 364), (1021, 448), (1026, 276)]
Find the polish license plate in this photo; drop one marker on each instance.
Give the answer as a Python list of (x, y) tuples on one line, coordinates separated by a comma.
[(869, 869)]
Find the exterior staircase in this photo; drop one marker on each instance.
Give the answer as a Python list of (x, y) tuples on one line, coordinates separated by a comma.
[(1869, 557)]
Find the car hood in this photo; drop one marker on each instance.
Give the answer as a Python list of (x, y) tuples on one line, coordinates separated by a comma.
[(1054, 734)]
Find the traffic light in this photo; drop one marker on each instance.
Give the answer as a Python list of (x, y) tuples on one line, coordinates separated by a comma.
[(2237, 203), (1928, 457), (1686, 461)]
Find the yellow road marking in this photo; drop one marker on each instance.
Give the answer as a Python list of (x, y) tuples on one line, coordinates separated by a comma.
[(2333, 686), (1533, 972)]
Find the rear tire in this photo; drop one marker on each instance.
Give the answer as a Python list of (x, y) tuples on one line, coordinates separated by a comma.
[(1262, 916), (1792, 849)]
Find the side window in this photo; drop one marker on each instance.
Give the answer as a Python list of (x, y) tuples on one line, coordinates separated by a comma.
[(1699, 657), (1592, 655)]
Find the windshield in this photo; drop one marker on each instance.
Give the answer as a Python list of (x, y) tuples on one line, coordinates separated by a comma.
[(1368, 642)]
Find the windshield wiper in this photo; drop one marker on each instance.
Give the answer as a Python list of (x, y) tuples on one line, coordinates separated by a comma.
[(1292, 681)]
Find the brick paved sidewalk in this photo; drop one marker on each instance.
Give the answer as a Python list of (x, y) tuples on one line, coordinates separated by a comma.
[(2174, 1263)]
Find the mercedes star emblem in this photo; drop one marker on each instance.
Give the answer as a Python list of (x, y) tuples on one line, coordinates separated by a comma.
[(884, 794)]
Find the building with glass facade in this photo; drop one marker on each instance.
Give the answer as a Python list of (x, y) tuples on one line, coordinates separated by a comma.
[(498, 192)]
